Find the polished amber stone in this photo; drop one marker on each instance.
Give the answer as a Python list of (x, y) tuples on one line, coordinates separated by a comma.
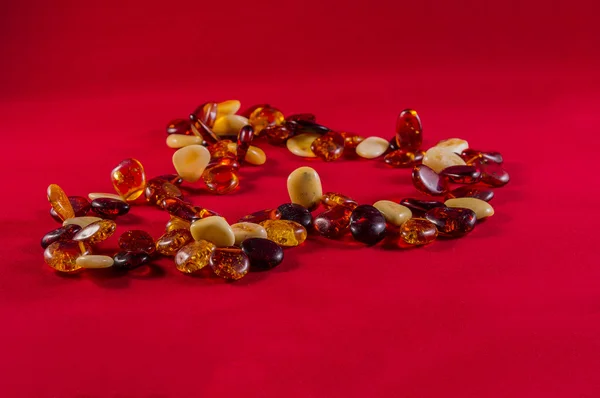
[(409, 132), (157, 190), (170, 242), (62, 255), (263, 254), (177, 223), (129, 179), (351, 140), (179, 208), (452, 222), (333, 223), (228, 161), (309, 117), (179, 126), (367, 224), (471, 192), (493, 174), (81, 207), (247, 112), (285, 232), (220, 179), (127, 260), (277, 135), (96, 232), (418, 231), (419, 207), (229, 262), (60, 202), (221, 149), (205, 113), (174, 179), (202, 130), (109, 208), (244, 140), (329, 146), (259, 216), (461, 174), (332, 199), (473, 156), (137, 239), (403, 158), (297, 213), (194, 256), (428, 181), (393, 144), (265, 116), (60, 234)]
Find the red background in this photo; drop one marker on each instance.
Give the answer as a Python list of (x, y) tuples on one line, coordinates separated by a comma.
[(512, 310)]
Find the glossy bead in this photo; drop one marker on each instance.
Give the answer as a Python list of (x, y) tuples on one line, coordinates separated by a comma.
[(177, 223), (409, 131), (308, 117), (351, 140), (157, 190), (220, 179), (62, 255), (439, 158), (403, 158), (300, 145), (81, 206), (170, 242), (428, 181), (261, 215), (297, 213), (247, 112), (194, 256), (329, 146), (60, 234), (137, 239), (263, 254), (109, 208), (172, 178), (367, 224), (418, 231), (481, 208), (247, 230), (332, 199), (60, 202), (394, 213), (177, 141), (284, 232), (81, 221), (306, 127), (179, 126), (393, 145), (179, 208), (229, 107), (265, 116), (190, 162), (229, 125), (127, 260), (94, 261), (100, 195), (213, 229), (222, 148), (470, 192), (200, 129), (419, 207), (229, 263), (129, 179), (278, 135), (304, 187), (205, 113), (493, 174), (333, 223), (473, 156), (372, 147), (96, 232), (226, 161), (452, 222), (455, 145), (244, 140), (461, 174)]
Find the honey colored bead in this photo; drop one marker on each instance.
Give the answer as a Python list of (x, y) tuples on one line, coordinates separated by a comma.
[(81, 206), (284, 232), (229, 107), (418, 232), (60, 202), (403, 158), (227, 161), (329, 146), (278, 135), (255, 156), (265, 116), (179, 208), (372, 147), (244, 140), (157, 190), (261, 215), (129, 179), (127, 260), (96, 232), (179, 126), (493, 174), (177, 223), (461, 174), (81, 221), (333, 223), (428, 181), (222, 148), (332, 199), (62, 255), (246, 230), (452, 222), (297, 213), (351, 140), (304, 187), (470, 192), (205, 113), (137, 239), (455, 145), (481, 208), (213, 229), (263, 254), (100, 195), (220, 179), (194, 256), (409, 131), (94, 261), (420, 207), (177, 141), (191, 161), (439, 158), (170, 242), (300, 145), (60, 234), (109, 208), (367, 224), (393, 212), (229, 263), (229, 125)]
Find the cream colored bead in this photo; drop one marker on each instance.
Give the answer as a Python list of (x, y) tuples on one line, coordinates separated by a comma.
[(214, 229), (440, 158), (99, 195), (182, 140), (255, 155), (372, 147), (246, 230), (481, 208), (304, 187), (228, 107), (300, 144), (229, 124), (95, 261), (81, 221), (455, 145), (191, 161), (394, 213)]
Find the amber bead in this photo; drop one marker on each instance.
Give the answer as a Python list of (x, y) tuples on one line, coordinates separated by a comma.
[(177, 223), (329, 146), (96, 232), (129, 179), (220, 179), (205, 113), (277, 135), (179, 126), (473, 156), (229, 262), (81, 207), (200, 129), (263, 254), (461, 174), (157, 190), (109, 208), (194, 256), (60, 202), (285, 232), (428, 181), (332, 199), (172, 241), (265, 116), (493, 174), (333, 223), (409, 132), (174, 179), (419, 207), (351, 140), (179, 208), (244, 140), (393, 144), (367, 224), (259, 216), (62, 255), (221, 149), (471, 192), (403, 158), (137, 239), (307, 127), (418, 231), (247, 112), (309, 117), (452, 222), (127, 260), (297, 213), (60, 234)]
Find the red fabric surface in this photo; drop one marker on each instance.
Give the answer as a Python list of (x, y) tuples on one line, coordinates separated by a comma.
[(512, 310)]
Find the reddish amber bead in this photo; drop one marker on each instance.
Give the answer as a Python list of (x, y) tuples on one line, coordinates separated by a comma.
[(137, 240), (297, 213), (367, 224), (244, 140), (351, 140), (305, 126), (172, 178), (109, 208), (403, 158), (179, 126), (60, 234), (221, 149), (81, 207), (62, 255), (419, 207), (393, 144), (127, 260), (200, 129), (157, 190), (172, 241), (409, 132), (332, 199), (206, 113), (179, 208), (229, 161), (329, 146), (473, 156), (493, 174), (452, 222), (461, 174), (96, 232), (263, 253), (334, 222), (229, 262), (278, 135), (129, 179), (204, 213), (309, 117), (418, 231), (428, 181), (470, 192), (220, 179), (246, 113), (262, 215), (266, 116)]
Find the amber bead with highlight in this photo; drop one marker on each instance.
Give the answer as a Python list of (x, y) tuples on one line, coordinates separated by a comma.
[(493, 174), (332, 199), (367, 224), (309, 117), (81, 206), (177, 223), (109, 208), (174, 179), (265, 116), (206, 113), (263, 254), (418, 231), (129, 179), (329, 146), (127, 260), (297, 213), (409, 131), (259, 216), (194, 256), (157, 190), (137, 239), (220, 179), (60, 202), (419, 207), (179, 126), (178, 208), (285, 232), (221, 149), (244, 140), (351, 140), (307, 127), (428, 181), (96, 232), (461, 174), (170, 242), (403, 158), (452, 222), (471, 192), (62, 255), (333, 223), (60, 234), (473, 156), (229, 262)]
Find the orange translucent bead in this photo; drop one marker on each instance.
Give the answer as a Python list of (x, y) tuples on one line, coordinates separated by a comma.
[(418, 231), (96, 232), (221, 149), (229, 262), (244, 139), (129, 179), (332, 199), (220, 179), (60, 202), (329, 146), (259, 216), (229, 161), (177, 223), (265, 116), (285, 232), (158, 189), (62, 255), (194, 256), (409, 131), (403, 158), (137, 239), (170, 243), (351, 140), (179, 126), (334, 222), (206, 113), (277, 135)]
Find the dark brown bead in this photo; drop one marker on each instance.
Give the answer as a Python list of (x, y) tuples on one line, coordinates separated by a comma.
[(109, 208), (179, 208), (60, 234), (333, 223), (452, 222), (393, 144), (263, 254), (179, 126), (461, 174), (297, 213), (329, 146), (127, 260), (419, 207), (305, 126), (409, 132), (471, 192), (308, 117), (403, 158), (205, 113), (229, 262), (367, 224), (277, 135), (244, 140), (137, 240), (202, 130), (428, 181), (473, 156), (493, 174), (81, 207), (262, 215)]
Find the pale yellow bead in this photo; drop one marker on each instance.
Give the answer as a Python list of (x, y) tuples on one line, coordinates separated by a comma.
[(481, 208), (99, 195), (214, 229), (394, 213), (372, 147), (455, 145), (228, 107), (94, 261), (229, 124), (304, 187), (440, 158), (300, 144), (191, 161), (81, 221), (182, 140), (247, 230)]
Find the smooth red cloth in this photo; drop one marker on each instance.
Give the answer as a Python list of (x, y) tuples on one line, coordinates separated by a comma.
[(511, 310)]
